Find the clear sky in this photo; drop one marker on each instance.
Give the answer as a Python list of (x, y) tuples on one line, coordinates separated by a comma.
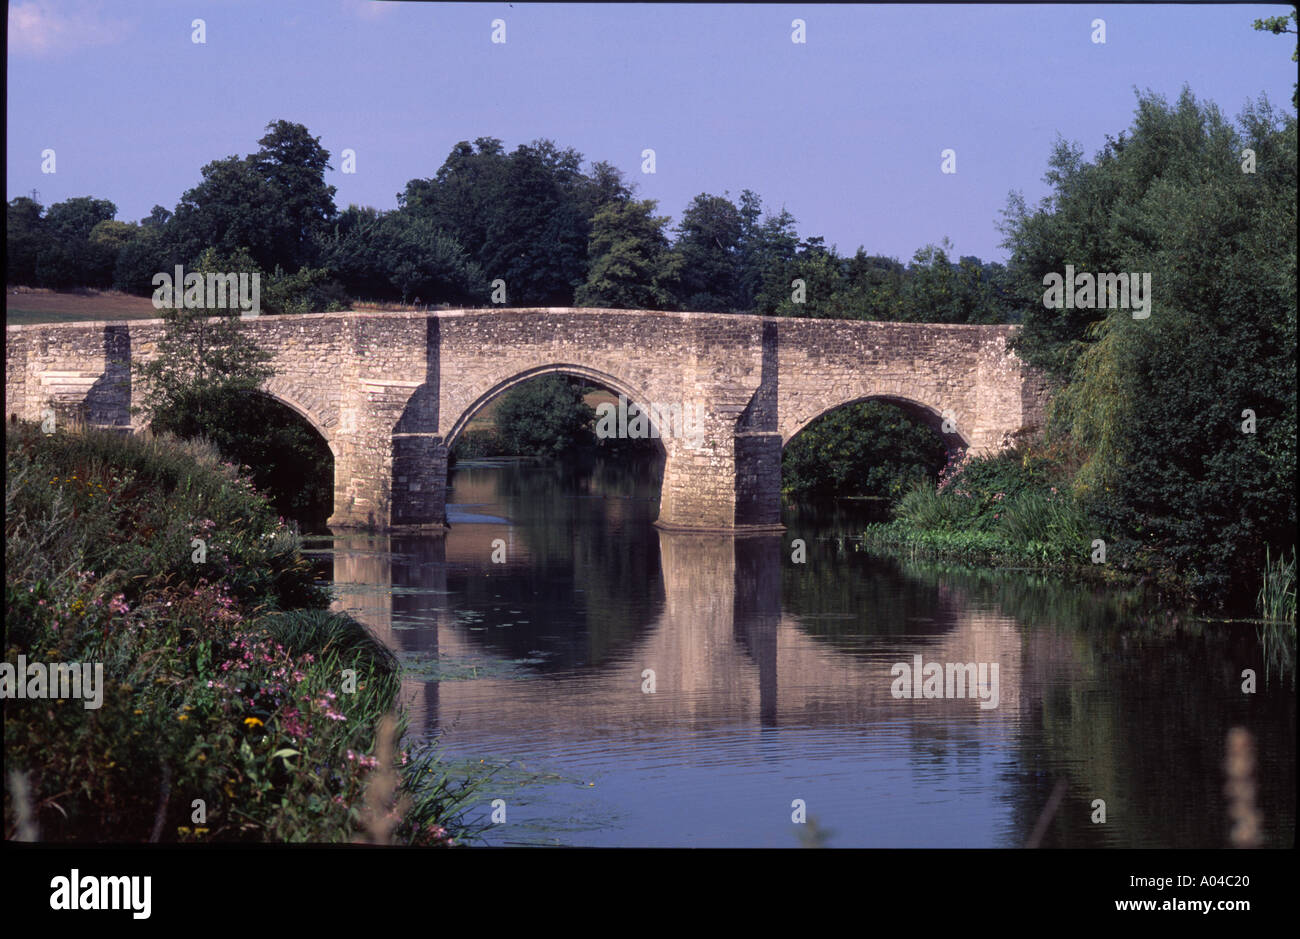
[(845, 130)]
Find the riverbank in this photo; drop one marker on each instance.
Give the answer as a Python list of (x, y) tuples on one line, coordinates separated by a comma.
[(1015, 510), (219, 699)]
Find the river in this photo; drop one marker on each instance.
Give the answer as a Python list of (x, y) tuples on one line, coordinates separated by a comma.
[(634, 687)]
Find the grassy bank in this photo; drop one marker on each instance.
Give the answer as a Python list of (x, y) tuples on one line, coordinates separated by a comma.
[(1012, 509), (1015, 509), (233, 706)]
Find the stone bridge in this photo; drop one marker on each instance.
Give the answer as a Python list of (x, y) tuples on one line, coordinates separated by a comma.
[(391, 392)]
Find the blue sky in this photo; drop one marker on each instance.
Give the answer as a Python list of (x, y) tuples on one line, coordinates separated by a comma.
[(845, 130)]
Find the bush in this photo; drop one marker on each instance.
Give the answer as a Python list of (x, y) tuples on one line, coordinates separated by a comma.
[(871, 448), (214, 686), (545, 417)]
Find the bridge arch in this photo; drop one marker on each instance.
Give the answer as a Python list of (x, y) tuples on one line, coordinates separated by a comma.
[(640, 398), (279, 393), (926, 413)]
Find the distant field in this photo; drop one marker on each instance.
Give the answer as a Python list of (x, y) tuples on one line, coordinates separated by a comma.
[(24, 306)]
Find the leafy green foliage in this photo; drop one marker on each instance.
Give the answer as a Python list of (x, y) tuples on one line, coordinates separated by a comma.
[(215, 686), (866, 449), (202, 357), (708, 244), (545, 417), (1158, 403), (997, 509), (631, 265), (400, 255), (931, 289), (524, 217)]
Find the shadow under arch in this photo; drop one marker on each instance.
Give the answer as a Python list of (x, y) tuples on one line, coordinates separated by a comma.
[(280, 397), (924, 413), (284, 470), (595, 376)]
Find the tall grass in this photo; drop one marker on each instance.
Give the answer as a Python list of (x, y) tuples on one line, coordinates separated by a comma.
[(925, 507), (1276, 599), (1049, 526)]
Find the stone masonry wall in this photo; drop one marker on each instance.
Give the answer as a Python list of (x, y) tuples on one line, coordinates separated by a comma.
[(390, 392)]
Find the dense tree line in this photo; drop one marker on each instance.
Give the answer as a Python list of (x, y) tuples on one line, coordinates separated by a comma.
[(533, 219)]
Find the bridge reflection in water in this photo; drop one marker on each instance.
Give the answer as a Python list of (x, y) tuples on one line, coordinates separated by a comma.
[(773, 681), (723, 651)]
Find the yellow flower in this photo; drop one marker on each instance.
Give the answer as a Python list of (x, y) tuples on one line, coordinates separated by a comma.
[(200, 831), (253, 722), (183, 830), (183, 717), (137, 711)]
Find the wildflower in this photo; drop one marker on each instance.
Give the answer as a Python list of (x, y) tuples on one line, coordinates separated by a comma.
[(183, 717)]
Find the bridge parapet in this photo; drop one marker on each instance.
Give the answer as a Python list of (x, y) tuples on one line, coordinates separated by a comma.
[(390, 392)]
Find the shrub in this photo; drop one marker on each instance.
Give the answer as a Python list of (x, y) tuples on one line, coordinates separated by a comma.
[(214, 686)]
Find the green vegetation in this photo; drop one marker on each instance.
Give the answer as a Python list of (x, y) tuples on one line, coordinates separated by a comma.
[(867, 449), (556, 235), (1009, 509), (545, 417), (1276, 600), (223, 674), (1186, 420), (205, 383)]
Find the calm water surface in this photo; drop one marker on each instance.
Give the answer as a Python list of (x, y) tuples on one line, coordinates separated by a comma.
[(772, 681)]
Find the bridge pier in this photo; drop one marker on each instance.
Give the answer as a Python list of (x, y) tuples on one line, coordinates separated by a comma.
[(729, 483)]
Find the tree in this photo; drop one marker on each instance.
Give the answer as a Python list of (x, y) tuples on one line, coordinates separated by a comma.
[(65, 256), (537, 236), (25, 240), (293, 164), (708, 243), (523, 217), (811, 284), (871, 448), (107, 239), (232, 208), (545, 417), (402, 255), (765, 246), (203, 357), (632, 266), (139, 259), (1158, 403)]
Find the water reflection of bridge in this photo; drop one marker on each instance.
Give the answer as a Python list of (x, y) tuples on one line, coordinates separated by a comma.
[(722, 649)]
